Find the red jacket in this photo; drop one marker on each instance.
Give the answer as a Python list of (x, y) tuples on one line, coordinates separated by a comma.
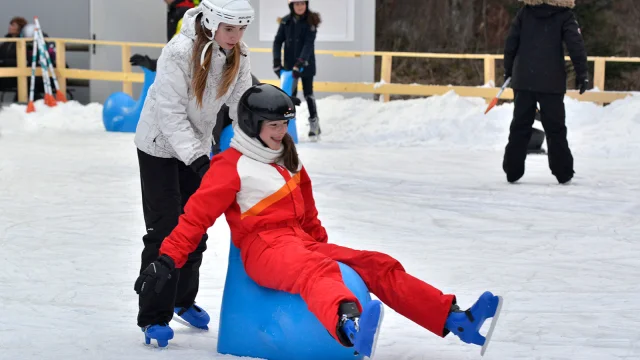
[(253, 195)]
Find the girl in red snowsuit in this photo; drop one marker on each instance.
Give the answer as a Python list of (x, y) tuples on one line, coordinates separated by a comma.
[(267, 199)]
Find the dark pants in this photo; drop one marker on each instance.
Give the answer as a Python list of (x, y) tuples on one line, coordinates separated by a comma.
[(167, 184), (552, 117), (307, 90)]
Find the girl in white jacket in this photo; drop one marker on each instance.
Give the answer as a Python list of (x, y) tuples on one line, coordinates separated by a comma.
[(199, 70)]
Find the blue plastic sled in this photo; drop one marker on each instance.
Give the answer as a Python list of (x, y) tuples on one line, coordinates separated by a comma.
[(287, 82), (275, 325), (120, 112)]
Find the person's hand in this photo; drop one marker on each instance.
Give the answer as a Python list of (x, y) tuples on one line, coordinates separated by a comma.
[(155, 276), (277, 67), (582, 83), (297, 72), (143, 61), (201, 165)]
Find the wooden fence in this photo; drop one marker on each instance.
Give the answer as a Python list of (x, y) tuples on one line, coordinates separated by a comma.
[(385, 87)]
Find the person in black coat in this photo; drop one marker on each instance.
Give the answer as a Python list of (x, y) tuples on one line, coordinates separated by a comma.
[(175, 13), (8, 51), (297, 32), (534, 59)]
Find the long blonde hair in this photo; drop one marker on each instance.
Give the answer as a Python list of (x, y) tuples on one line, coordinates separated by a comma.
[(200, 73)]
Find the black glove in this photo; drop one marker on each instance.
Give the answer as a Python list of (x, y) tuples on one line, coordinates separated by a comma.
[(507, 74), (300, 64), (582, 83), (143, 61), (296, 101), (277, 67), (155, 276), (201, 165)]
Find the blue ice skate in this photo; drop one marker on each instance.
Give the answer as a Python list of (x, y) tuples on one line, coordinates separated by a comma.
[(194, 316), (466, 324), (363, 331), (162, 333)]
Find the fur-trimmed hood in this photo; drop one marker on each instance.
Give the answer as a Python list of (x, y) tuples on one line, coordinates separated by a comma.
[(560, 3)]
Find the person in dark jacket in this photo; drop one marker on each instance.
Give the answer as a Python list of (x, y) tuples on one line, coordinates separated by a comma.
[(297, 32), (534, 59), (8, 51), (175, 13)]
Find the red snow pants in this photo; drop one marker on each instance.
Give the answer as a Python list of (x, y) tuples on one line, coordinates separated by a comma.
[(290, 260)]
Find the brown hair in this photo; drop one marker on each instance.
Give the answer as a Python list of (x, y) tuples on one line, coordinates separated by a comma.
[(289, 155), (200, 74), (314, 18), (20, 21)]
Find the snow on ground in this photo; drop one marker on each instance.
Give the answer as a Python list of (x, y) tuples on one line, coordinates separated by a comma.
[(419, 179)]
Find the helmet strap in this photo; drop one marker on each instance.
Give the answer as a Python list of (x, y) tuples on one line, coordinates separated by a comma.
[(206, 46)]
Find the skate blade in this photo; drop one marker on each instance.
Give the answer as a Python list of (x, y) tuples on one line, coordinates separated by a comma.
[(186, 323), (358, 346), (375, 338), (494, 320)]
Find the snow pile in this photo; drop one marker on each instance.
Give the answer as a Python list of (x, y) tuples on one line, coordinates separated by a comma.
[(68, 117), (447, 121)]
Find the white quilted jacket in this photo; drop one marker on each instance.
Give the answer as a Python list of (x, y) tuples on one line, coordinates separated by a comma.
[(171, 124)]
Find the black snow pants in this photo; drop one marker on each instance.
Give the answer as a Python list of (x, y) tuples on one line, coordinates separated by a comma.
[(167, 184), (552, 117)]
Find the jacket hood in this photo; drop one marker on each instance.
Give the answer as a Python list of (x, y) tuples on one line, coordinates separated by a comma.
[(559, 3), (188, 28)]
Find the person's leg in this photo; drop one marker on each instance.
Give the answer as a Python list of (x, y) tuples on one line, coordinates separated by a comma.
[(294, 90), (307, 90), (189, 280), (386, 278), (515, 153), (161, 208), (413, 298), (552, 116), (314, 122), (278, 260)]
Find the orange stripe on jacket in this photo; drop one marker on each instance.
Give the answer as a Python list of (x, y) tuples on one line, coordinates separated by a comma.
[(285, 190)]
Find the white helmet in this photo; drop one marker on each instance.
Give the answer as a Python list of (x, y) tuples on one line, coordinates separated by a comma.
[(28, 31), (233, 12)]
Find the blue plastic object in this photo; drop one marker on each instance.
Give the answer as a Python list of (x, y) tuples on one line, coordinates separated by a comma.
[(225, 137), (120, 112), (287, 82), (275, 325)]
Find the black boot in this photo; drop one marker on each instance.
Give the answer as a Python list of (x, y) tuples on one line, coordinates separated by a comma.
[(345, 328)]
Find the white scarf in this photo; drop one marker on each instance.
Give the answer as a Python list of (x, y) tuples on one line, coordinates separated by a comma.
[(253, 148)]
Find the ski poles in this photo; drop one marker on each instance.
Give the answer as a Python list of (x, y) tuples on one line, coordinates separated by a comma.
[(495, 99), (43, 47), (41, 55)]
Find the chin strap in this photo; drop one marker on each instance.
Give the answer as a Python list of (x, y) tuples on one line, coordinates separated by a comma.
[(206, 46)]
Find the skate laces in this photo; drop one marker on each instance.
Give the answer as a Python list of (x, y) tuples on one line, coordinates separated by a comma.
[(356, 321)]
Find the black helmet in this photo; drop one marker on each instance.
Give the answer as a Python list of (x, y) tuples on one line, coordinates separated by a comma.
[(263, 102)]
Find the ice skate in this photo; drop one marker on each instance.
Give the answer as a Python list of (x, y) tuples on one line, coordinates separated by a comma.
[(466, 324), (162, 333), (361, 330), (314, 129), (193, 316)]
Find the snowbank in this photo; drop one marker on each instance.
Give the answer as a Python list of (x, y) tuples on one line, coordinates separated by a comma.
[(447, 121), (68, 117)]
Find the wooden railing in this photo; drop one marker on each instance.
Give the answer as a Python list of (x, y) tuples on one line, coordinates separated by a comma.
[(385, 87)]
